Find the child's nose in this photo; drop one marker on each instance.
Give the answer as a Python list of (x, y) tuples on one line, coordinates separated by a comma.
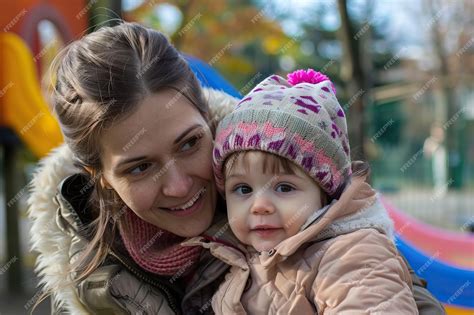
[(262, 205)]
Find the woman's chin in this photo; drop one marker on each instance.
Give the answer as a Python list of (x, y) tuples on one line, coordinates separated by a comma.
[(189, 222), (195, 225)]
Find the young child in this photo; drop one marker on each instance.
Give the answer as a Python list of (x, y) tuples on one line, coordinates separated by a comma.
[(281, 158)]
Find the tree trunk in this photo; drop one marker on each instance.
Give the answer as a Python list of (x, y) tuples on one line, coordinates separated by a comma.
[(352, 73), (13, 192), (452, 124)]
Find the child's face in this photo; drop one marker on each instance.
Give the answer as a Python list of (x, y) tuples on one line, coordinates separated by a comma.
[(266, 208)]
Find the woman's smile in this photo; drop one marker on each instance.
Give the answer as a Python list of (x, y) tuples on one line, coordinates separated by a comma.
[(189, 207)]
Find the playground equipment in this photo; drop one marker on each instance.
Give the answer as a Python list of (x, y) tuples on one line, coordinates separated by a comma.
[(452, 286), (452, 248), (444, 259), (27, 27), (23, 107)]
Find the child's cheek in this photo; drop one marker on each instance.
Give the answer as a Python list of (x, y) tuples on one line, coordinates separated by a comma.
[(236, 221)]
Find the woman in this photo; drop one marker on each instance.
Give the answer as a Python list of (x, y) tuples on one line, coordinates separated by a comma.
[(138, 127)]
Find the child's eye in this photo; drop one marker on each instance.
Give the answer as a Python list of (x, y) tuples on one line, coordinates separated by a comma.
[(140, 169), (243, 189), (284, 188)]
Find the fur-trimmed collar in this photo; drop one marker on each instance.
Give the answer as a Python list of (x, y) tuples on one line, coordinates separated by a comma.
[(51, 243), (373, 217)]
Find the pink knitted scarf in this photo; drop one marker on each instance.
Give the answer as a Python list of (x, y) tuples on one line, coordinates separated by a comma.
[(156, 250)]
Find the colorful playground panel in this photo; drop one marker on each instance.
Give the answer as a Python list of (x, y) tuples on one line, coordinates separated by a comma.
[(444, 259), (454, 248), (23, 106)]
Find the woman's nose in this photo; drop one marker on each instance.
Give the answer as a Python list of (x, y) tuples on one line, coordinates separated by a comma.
[(262, 205), (176, 182)]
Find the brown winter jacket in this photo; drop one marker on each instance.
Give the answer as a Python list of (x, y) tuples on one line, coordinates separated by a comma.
[(336, 265)]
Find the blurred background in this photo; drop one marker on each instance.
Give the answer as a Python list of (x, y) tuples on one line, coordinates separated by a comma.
[(403, 71)]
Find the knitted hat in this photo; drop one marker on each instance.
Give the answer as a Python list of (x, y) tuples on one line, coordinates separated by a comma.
[(299, 119)]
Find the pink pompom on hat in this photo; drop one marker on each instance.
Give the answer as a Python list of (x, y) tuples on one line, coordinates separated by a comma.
[(308, 76), (299, 119)]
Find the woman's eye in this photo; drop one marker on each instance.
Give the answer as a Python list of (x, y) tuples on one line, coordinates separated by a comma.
[(190, 143), (243, 189), (284, 188), (140, 169)]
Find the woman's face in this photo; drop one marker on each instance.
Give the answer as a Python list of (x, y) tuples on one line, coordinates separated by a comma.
[(158, 160)]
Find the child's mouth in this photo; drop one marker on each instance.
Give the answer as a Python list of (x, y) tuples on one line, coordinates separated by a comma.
[(266, 230)]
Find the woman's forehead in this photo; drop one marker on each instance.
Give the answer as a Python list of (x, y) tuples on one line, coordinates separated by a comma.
[(159, 121)]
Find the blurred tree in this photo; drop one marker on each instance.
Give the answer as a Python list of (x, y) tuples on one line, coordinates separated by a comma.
[(446, 21), (235, 37), (353, 74), (354, 70), (104, 13), (246, 43)]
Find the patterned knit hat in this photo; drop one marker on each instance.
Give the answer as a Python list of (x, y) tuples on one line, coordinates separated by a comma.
[(299, 119)]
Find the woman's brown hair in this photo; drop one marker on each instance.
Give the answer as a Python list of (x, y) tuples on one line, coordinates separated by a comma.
[(100, 79)]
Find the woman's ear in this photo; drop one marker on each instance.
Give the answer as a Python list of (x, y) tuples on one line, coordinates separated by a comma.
[(103, 182), (89, 170)]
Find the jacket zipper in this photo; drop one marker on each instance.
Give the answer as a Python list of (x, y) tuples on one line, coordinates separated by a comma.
[(169, 296)]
